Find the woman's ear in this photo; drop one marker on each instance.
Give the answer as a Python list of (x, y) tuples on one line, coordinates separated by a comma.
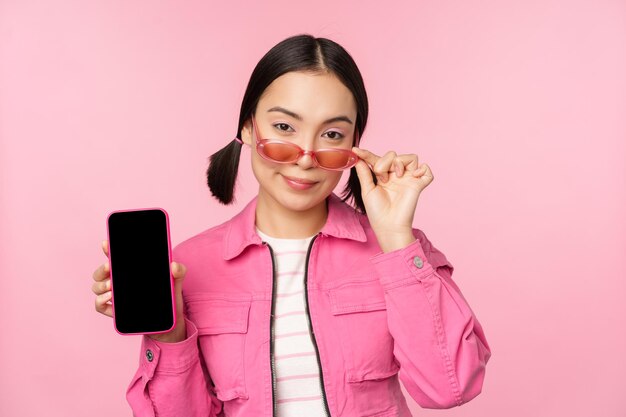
[(246, 132)]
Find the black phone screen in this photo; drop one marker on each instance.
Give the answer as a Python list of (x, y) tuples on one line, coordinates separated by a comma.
[(139, 254)]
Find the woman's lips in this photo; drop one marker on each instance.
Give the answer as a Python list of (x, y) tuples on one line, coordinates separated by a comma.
[(298, 183)]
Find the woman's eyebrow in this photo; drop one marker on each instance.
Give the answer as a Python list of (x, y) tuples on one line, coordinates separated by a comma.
[(298, 117)]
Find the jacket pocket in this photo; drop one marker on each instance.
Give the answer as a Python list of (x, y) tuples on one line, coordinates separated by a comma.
[(222, 327), (361, 315)]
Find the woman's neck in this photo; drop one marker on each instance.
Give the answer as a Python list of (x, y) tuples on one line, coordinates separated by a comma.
[(276, 220)]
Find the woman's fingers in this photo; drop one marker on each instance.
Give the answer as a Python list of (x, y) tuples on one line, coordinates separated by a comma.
[(100, 287), (410, 161), (397, 162), (424, 172), (384, 165), (102, 272), (102, 304), (405, 162), (390, 162), (380, 165)]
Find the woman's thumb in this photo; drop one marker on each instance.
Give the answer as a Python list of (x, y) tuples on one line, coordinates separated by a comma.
[(178, 270), (365, 177)]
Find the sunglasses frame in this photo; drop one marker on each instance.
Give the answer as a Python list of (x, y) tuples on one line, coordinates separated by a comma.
[(260, 144)]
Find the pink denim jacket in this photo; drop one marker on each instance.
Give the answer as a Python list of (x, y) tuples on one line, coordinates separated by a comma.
[(377, 319)]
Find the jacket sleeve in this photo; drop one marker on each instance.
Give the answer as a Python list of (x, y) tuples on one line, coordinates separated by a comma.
[(438, 341), (171, 380)]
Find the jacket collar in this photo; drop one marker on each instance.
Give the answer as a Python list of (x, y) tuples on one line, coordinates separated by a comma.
[(342, 222)]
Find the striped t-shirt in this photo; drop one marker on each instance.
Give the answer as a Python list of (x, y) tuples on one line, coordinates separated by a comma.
[(298, 386)]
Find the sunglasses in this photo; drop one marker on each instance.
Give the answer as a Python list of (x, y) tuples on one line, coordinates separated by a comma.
[(282, 152)]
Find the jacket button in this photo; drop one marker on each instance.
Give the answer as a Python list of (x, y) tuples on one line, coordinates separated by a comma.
[(149, 355), (417, 261)]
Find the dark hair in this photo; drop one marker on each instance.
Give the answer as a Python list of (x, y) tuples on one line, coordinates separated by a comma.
[(297, 53)]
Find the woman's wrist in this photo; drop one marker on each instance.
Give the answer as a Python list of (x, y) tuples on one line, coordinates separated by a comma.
[(391, 242)]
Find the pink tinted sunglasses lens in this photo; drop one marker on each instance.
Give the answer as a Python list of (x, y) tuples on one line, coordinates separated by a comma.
[(329, 159), (281, 152), (335, 159)]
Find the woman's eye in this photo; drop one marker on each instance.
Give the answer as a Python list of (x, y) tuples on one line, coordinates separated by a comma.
[(283, 127), (334, 135)]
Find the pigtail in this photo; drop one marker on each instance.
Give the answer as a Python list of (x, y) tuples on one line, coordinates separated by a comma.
[(222, 171)]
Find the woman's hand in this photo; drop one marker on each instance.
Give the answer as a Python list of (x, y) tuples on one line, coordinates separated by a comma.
[(390, 204), (102, 288)]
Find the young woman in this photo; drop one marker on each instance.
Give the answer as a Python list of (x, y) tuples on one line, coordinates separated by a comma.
[(302, 305)]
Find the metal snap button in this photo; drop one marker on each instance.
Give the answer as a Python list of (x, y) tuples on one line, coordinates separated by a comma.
[(149, 355), (417, 261)]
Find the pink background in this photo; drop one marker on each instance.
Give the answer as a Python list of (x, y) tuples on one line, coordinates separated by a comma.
[(518, 107)]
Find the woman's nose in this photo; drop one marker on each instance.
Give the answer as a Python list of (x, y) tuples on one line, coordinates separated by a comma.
[(306, 161)]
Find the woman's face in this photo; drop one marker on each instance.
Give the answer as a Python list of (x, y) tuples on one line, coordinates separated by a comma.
[(314, 111)]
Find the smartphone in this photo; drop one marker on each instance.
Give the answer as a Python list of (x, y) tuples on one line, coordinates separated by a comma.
[(142, 286)]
